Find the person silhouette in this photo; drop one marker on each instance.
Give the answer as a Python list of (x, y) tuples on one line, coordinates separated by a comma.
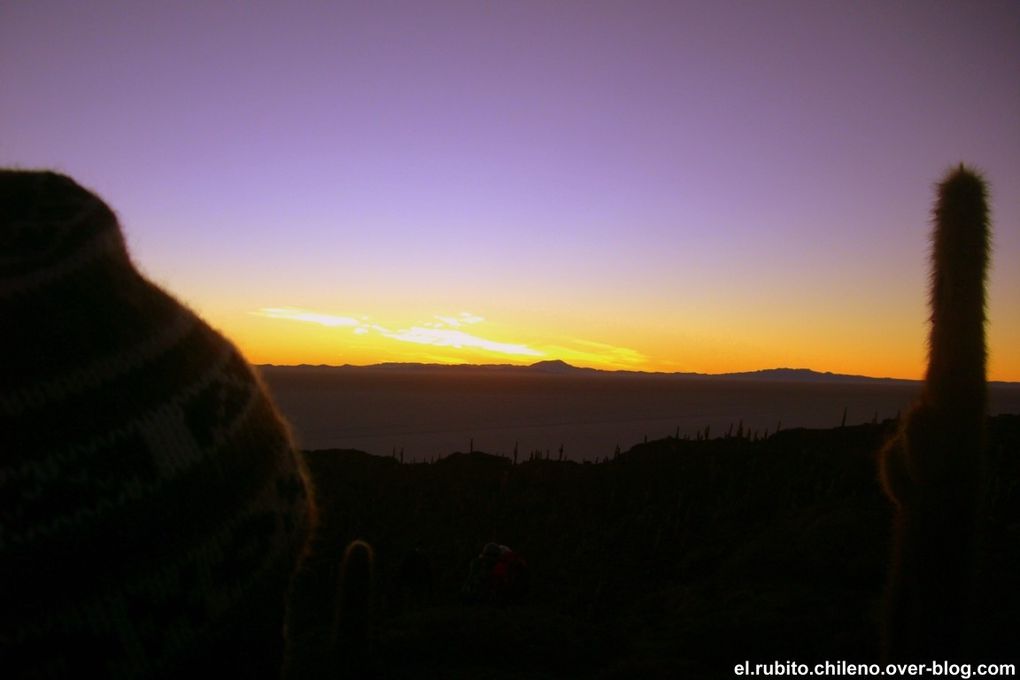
[(152, 504)]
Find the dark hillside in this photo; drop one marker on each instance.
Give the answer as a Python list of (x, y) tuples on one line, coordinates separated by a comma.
[(675, 557)]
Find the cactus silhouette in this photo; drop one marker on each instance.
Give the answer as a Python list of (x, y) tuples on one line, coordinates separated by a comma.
[(353, 636), (930, 468)]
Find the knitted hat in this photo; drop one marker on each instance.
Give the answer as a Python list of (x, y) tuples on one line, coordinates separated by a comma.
[(152, 505)]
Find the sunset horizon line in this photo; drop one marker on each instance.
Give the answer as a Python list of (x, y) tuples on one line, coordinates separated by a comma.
[(564, 366), (322, 336)]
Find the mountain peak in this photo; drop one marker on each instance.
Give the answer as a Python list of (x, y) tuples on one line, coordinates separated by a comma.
[(554, 366)]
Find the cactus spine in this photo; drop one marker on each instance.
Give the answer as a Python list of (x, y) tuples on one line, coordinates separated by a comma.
[(930, 468)]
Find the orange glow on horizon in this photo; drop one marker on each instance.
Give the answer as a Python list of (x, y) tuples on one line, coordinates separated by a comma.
[(302, 336)]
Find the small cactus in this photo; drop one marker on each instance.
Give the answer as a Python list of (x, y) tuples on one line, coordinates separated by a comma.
[(354, 609)]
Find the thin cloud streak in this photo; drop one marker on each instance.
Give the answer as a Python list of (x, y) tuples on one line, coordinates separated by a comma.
[(447, 331), (442, 337), (435, 334), (457, 322), (297, 314)]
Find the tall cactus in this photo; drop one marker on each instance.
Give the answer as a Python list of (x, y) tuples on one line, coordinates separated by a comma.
[(930, 468)]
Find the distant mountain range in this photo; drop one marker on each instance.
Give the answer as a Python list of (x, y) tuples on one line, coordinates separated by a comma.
[(557, 367)]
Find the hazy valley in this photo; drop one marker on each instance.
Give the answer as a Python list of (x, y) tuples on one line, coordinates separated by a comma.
[(429, 410)]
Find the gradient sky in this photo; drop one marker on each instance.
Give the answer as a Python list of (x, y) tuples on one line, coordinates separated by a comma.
[(678, 186)]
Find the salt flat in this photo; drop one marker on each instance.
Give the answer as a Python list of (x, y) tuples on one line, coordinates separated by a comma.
[(429, 412)]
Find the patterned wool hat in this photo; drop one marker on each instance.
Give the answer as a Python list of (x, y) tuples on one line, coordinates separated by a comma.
[(152, 505)]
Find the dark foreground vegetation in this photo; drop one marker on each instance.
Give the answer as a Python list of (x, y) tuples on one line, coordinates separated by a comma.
[(676, 559)]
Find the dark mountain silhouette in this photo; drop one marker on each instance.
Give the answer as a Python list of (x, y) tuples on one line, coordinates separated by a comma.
[(558, 367), (805, 375)]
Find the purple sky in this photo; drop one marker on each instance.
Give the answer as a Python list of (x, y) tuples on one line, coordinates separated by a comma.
[(659, 185)]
